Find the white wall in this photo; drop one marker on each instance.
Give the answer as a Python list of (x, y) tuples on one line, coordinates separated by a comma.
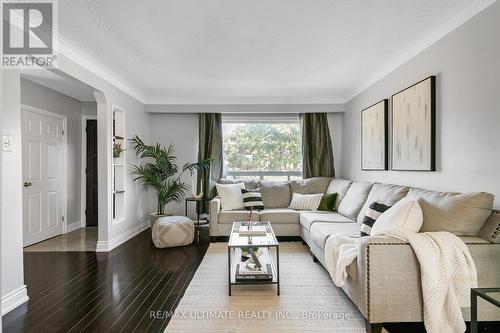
[(467, 65), (43, 98), (12, 285)]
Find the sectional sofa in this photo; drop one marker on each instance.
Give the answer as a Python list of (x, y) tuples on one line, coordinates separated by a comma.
[(384, 282)]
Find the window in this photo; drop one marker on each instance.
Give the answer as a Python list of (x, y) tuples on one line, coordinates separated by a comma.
[(262, 149)]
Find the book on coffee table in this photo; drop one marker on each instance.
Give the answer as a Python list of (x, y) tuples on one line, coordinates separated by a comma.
[(245, 274)]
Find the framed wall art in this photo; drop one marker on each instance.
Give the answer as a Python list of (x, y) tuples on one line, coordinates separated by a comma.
[(414, 127), (374, 136)]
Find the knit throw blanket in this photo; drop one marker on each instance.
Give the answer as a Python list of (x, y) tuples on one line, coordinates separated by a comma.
[(447, 273)]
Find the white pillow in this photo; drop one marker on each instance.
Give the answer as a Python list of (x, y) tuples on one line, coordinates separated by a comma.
[(405, 216), (305, 201), (230, 196)]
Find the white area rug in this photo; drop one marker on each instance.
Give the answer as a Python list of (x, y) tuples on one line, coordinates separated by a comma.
[(309, 300)]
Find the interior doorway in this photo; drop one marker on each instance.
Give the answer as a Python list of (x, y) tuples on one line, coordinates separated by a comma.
[(90, 172), (59, 144)]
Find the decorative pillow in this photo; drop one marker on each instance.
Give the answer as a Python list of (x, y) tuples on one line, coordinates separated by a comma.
[(305, 201), (406, 216), (328, 202), (372, 214), (230, 196), (252, 199)]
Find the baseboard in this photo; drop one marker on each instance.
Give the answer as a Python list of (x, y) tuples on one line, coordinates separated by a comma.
[(73, 226), (106, 246), (13, 299)]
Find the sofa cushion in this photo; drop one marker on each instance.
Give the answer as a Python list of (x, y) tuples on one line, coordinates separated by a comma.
[(230, 216), (305, 201), (308, 218), (459, 213), (372, 214), (339, 186), (230, 195), (280, 216), (328, 202), (275, 194), (404, 217), (320, 231), (313, 185), (491, 229), (250, 184), (252, 199), (354, 199), (386, 194)]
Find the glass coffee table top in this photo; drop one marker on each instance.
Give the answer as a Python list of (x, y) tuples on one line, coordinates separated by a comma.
[(238, 240)]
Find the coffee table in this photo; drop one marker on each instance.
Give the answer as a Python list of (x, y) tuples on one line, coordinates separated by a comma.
[(265, 243), (492, 295)]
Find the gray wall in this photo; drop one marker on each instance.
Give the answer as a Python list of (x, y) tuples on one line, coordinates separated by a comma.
[(467, 65), (182, 131), (46, 99)]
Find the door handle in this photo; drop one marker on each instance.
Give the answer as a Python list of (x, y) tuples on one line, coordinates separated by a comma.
[(27, 184)]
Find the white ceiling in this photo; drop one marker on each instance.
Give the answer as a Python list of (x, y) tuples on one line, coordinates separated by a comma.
[(259, 51), (62, 83)]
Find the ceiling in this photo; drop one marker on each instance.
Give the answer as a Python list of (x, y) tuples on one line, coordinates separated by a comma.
[(62, 83), (259, 51)]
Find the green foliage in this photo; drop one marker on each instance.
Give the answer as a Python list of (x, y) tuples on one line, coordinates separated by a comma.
[(160, 172), (263, 147)]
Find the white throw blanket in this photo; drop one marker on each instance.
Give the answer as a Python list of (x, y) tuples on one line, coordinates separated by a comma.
[(447, 273)]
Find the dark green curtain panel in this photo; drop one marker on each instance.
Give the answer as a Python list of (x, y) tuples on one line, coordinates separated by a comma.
[(210, 146), (317, 151)]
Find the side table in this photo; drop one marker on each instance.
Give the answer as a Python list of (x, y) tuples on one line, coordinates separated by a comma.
[(198, 209), (491, 295)]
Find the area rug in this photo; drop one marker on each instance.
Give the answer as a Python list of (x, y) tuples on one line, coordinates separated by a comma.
[(309, 301)]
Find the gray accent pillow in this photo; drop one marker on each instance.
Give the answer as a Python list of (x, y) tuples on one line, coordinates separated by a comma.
[(313, 185), (339, 186), (354, 199), (275, 194), (460, 213)]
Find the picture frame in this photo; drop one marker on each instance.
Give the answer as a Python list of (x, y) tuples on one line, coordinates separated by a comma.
[(414, 127), (375, 137)]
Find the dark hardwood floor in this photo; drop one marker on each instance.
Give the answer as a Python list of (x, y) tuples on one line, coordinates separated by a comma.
[(101, 292), (116, 291)]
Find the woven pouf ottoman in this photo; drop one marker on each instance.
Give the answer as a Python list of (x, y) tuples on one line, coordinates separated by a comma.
[(170, 231)]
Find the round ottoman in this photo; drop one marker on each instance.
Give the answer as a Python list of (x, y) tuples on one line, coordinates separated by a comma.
[(170, 231)]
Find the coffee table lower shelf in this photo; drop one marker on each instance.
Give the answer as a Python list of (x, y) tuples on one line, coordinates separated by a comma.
[(233, 259)]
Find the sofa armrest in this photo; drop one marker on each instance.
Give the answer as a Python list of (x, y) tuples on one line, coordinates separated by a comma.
[(389, 287), (214, 210)]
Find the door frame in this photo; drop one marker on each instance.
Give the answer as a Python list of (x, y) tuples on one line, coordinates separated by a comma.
[(64, 193), (83, 186)]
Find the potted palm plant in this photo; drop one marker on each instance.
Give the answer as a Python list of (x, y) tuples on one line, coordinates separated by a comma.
[(162, 173)]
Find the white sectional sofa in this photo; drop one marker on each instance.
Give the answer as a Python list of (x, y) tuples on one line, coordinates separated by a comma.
[(384, 282)]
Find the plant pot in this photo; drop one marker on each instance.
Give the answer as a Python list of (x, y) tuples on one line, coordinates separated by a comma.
[(116, 160), (155, 216)]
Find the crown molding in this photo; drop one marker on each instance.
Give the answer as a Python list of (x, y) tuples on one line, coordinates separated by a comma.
[(79, 58), (452, 23), (244, 100)]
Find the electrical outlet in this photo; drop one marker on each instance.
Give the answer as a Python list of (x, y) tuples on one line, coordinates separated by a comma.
[(7, 143)]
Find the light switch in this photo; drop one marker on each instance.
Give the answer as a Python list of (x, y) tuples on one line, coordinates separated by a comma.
[(7, 143)]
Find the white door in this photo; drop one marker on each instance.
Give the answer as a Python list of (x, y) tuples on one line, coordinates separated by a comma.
[(43, 176)]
